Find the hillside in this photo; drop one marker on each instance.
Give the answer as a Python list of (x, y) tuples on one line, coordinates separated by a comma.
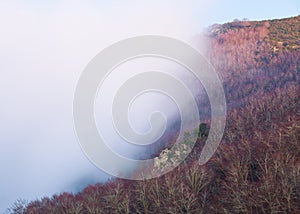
[(248, 57), (256, 169)]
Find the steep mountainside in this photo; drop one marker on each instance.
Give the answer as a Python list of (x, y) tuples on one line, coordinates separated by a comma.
[(255, 57), (256, 169)]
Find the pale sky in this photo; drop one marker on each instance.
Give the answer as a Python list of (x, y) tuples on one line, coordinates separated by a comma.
[(44, 46)]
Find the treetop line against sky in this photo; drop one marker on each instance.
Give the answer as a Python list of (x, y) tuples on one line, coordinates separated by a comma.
[(218, 11)]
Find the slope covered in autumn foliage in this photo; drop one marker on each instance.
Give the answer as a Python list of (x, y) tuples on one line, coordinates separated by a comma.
[(256, 169)]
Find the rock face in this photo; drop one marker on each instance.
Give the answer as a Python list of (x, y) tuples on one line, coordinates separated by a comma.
[(177, 154)]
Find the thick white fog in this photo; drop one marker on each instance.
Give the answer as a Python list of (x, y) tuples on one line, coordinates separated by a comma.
[(44, 46)]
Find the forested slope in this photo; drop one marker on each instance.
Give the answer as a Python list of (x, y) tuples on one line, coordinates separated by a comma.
[(256, 169)]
